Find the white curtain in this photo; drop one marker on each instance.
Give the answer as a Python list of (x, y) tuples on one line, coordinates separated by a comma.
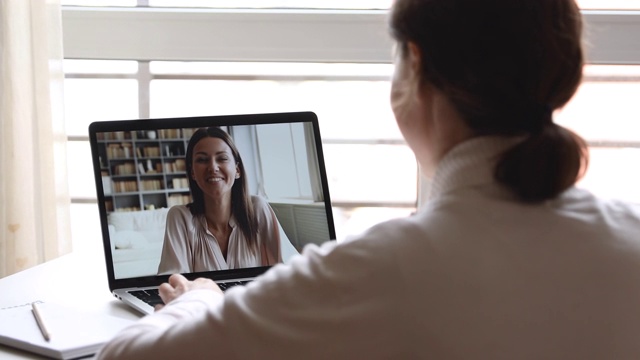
[(34, 195)]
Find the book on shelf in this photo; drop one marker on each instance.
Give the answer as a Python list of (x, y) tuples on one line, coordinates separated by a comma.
[(152, 167), (180, 183), (119, 151), (122, 186), (106, 185), (150, 151), (178, 199), (180, 165), (187, 133), (175, 166), (128, 168), (170, 134), (151, 185)]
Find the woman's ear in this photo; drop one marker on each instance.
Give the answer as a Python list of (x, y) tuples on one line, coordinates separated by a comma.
[(414, 58)]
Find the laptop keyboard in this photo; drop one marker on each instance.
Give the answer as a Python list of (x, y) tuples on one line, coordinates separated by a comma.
[(152, 296), (228, 285)]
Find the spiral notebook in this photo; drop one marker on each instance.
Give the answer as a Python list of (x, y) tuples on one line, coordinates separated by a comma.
[(74, 333)]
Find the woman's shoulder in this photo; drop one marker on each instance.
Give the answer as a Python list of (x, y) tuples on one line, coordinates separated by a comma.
[(259, 203), (258, 200), (180, 216), (396, 230), (610, 208), (179, 211), (261, 209)]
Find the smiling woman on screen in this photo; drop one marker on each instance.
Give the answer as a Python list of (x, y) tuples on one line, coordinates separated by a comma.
[(224, 227), (508, 259)]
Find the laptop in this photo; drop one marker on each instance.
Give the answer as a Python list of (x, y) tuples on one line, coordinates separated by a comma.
[(140, 169)]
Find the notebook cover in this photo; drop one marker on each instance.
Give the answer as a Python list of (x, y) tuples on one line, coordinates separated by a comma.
[(74, 333)]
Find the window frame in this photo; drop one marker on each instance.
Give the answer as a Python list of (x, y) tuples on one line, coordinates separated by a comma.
[(352, 36)]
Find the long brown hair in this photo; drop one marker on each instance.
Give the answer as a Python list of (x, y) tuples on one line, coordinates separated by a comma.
[(506, 65), (241, 204)]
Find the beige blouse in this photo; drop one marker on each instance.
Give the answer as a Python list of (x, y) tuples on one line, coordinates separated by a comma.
[(190, 247)]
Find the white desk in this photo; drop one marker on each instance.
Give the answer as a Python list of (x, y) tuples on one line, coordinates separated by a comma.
[(82, 273)]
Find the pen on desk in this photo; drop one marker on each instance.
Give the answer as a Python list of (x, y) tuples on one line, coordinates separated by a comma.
[(40, 320)]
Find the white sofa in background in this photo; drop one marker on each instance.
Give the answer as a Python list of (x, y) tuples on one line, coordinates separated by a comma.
[(137, 237), (136, 241)]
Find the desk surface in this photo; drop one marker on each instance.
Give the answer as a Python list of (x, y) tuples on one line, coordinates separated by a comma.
[(78, 279)]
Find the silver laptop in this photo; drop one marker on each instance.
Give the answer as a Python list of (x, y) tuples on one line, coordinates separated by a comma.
[(140, 170)]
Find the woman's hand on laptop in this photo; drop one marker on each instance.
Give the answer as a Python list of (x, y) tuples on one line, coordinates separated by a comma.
[(179, 285)]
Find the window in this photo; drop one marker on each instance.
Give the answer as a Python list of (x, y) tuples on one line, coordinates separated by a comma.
[(609, 4), (125, 63), (360, 137), (604, 111)]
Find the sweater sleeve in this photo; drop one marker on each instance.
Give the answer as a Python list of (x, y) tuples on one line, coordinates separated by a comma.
[(175, 332), (328, 303)]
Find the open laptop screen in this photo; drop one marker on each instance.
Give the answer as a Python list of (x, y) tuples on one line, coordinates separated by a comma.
[(149, 224)]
